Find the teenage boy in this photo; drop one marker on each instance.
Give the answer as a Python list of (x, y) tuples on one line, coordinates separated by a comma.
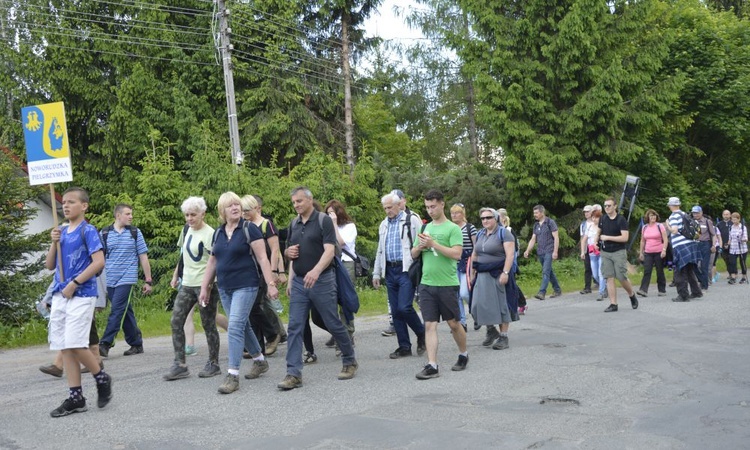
[(440, 246), (73, 301), (614, 263)]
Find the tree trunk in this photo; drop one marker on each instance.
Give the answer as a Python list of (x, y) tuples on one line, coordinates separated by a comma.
[(349, 126)]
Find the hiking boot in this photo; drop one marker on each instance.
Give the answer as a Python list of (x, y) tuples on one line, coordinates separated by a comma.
[(743, 280), (390, 331), (602, 296), (732, 280), (662, 294), (330, 343), (52, 370), (634, 302), (289, 382), (176, 372), (273, 345), (611, 308), (259, 367), (585, 291), (556, 294), (492, 334), (104, 391), (428, 372), (211, 370), (104, 349), (231, 383), (348, 371), (309, 358), (539, 296), (521, 310), (400, 353), (699, 295), (461, 363), (680, 299), (642, 293), (501, 343), (69, 406), (421, 345), (133, 350)]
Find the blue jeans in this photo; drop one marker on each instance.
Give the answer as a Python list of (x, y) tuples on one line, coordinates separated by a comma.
[(401, 300), (121, 315), (324, 296), (463, 295), (237, 304), (547, 273), (596, 272), (705, 269)]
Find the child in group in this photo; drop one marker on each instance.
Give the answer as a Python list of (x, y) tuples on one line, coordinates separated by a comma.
[(73, 300)]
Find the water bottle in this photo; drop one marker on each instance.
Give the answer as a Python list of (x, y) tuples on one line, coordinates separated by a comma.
[(277, 306), (43, 309)]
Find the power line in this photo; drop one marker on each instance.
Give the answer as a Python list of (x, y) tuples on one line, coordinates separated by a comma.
[(55, 30), (130, 55), (171, 9)]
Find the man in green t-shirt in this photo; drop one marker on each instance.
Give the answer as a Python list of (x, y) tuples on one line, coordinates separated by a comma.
[(440, 246)]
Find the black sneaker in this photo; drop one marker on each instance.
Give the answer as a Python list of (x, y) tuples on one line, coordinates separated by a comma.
[(585, 291), (634, 302), (104, 349), (400, 353), (133, 350), (743, 280), (428, 372), (176, 372), (105, 392), (421, 345), (69, 406), (611, 308), (330, 343), (680, 299), (461, 363), (492, 335), (699, 295)]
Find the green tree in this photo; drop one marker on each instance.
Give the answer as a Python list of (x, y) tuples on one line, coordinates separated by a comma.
[(21, 256), (573, 92)]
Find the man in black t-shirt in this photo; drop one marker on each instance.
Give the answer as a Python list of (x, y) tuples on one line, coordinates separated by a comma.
[(724, 225), (614, 237), (311, 251)]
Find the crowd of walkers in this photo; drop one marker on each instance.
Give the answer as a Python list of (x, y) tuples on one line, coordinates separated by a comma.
[(452, 268)]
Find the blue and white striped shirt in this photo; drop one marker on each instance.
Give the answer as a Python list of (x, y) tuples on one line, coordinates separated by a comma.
[(675, 220), (122, 257)]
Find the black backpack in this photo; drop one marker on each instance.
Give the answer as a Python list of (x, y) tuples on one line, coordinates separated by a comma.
[(691, 229), (105, 232)]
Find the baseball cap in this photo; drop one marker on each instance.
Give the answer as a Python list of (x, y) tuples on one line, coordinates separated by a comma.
[(588, 208), (697, 208), (674, 201)]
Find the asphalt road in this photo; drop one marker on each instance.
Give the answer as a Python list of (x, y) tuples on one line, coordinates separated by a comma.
[(665, 376)]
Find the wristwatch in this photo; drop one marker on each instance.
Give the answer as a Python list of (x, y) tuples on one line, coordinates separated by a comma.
[(506, 272), (273, 283)]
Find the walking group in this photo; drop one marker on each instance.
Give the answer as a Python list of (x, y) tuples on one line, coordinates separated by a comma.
[(689, 243), (444, 265)]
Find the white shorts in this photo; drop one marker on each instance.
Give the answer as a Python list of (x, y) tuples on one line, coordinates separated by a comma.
[(70, 322)]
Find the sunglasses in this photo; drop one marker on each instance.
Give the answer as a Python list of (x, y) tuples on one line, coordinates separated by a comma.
[(487, 218)]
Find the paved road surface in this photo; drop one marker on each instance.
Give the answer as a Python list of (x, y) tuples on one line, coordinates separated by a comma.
[(666, 376)]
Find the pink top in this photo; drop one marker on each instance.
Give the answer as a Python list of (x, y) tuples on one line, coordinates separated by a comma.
[(653, 238)]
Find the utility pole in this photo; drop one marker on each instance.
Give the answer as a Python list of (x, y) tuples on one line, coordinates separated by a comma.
[(226, 57), (348, 123)]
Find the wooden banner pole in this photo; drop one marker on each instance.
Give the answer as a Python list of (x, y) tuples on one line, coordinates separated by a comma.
[(53, 202)]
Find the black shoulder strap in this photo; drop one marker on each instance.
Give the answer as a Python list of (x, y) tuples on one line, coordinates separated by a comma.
[(133, 233), (407, 224), (105, 232)]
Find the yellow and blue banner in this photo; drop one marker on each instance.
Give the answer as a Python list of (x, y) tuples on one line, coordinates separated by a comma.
[(46, 134)]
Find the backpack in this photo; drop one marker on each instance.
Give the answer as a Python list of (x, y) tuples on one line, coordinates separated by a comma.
[(105, 232), (501, 237), (691, 229)]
